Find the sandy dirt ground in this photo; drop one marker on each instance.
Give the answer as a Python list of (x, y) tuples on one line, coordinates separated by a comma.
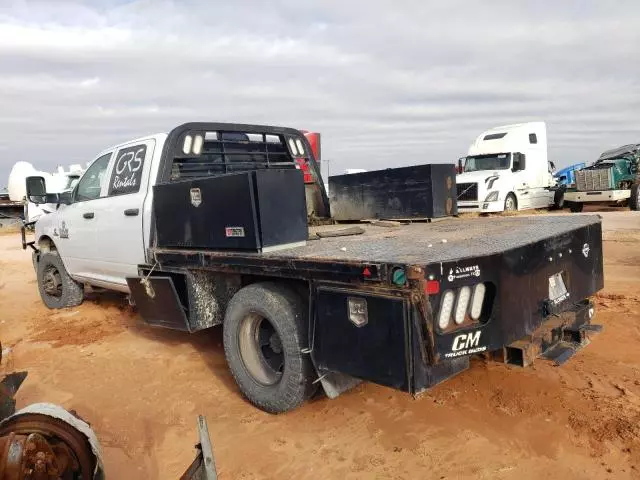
[(142, 388)]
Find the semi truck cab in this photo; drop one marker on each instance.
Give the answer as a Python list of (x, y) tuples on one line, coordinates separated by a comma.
[(507, 169)]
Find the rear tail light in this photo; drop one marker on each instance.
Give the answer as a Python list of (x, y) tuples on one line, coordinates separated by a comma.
[(478, 300), (464, 305), (445, 309)]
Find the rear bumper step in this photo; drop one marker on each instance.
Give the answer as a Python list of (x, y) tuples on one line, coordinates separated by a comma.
[(558, 339)]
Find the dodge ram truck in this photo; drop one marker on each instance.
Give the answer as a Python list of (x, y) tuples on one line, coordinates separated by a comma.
[(403, 307)]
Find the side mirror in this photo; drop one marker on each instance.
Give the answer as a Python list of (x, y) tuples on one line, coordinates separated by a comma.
[(553, 166), (36, 190), (519, 162), (460, 166), (37, 193)]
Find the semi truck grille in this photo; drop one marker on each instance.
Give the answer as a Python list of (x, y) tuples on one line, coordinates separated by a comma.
[(594, 179), (467, 191)]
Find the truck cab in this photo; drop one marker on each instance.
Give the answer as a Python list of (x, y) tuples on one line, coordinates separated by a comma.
[(103, 227), (507, 169), (613, 179)]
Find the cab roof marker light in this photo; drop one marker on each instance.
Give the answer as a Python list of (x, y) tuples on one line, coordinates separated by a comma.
[(446, 309), (464, 295), (300, 147), (198, 141), (478, 300), (186, 146), (211, 136)]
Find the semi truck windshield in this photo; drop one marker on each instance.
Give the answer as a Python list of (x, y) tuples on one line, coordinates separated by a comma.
[(493, 161)]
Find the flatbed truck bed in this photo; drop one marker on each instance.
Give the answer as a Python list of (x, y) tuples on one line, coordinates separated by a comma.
[(415, 243), (384, 305)]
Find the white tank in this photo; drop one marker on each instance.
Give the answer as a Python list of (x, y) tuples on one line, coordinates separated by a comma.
[(17, 176)]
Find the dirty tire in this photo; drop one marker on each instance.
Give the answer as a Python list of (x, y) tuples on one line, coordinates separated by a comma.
[(287, 316), (510, 203), (576, 207), (634, 200), (57, 288), (558, 199)]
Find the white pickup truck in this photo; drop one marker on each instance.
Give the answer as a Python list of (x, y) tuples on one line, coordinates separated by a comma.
[(102, 228), (507, 169)]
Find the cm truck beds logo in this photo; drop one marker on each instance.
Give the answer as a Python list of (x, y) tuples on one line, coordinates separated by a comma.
[(465, 344)]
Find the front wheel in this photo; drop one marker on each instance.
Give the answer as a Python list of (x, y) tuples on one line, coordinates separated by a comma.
[(510, 203), (634, 200), (57, 288), (576, 207), (265, 331)]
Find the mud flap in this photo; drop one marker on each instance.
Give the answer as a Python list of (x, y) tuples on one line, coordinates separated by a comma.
[(158, 302)]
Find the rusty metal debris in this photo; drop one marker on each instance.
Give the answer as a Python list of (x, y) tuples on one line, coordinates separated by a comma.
[(40, 446), (8, 388), (43, 441), (46, 442), (204, 466)]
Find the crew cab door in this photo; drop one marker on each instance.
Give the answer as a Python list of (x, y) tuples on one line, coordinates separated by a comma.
[(119, 237), (74, 230)]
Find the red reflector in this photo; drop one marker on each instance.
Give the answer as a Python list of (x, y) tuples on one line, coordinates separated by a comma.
[(366, 272), (433, 287)]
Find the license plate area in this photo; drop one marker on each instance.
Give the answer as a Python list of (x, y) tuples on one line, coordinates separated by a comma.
[(558, 292)]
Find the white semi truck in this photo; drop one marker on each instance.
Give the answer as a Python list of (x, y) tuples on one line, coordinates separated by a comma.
[(507, 169)]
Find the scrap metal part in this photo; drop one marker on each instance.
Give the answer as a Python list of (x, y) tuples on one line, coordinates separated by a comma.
[(204, 466), (8, 388), (46, 442)]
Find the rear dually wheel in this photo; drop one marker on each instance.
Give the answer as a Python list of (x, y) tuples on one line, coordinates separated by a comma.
[(265, 332)]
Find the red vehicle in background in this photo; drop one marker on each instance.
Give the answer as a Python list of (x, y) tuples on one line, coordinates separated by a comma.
[(314, 187)]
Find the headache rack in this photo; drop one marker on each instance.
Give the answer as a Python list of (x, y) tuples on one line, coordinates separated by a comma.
[(210, 149)]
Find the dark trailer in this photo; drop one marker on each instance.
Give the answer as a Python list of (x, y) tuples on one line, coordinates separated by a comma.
[(402, 306)]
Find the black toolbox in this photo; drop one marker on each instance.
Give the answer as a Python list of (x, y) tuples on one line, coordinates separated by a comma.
[(259, 210)]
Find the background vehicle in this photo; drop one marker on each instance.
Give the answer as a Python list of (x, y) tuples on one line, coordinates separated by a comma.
[(613, 179), (507, 169), (60, 181), (178, 221), (567, 175)]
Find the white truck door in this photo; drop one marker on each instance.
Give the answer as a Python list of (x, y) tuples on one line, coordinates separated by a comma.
[(75, 229), (120, 241)]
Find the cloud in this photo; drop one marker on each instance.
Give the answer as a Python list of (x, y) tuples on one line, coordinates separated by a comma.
[(394, 83)]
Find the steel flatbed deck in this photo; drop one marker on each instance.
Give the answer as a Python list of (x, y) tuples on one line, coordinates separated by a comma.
[(413, 244)]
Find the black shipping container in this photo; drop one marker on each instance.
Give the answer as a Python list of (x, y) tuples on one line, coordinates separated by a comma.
[(421, 191)]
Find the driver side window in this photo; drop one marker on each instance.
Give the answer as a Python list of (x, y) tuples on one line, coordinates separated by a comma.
[(90, 185)]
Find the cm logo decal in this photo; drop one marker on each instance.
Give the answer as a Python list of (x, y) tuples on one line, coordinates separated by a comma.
[(466, 340), (466, 344)]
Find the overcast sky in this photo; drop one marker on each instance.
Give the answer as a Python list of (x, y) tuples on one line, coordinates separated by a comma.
[(387, 83)]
